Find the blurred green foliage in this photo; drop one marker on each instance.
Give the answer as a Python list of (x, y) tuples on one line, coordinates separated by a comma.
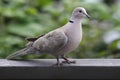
[(30, 18)]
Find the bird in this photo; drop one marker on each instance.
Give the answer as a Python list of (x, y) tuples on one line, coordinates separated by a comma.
[(57, 42)]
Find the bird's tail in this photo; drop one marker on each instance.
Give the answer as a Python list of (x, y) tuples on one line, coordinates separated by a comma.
[(20, 53)]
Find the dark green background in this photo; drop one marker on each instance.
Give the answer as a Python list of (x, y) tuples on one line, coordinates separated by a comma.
[(20, 19)]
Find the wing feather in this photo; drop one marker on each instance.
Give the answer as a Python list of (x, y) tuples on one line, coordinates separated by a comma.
[(51, 42)]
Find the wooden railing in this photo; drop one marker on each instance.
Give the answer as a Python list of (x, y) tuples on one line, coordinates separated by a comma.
[(44, 69)]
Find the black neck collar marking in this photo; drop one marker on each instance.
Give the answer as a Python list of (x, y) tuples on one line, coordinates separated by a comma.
[(71, 21)]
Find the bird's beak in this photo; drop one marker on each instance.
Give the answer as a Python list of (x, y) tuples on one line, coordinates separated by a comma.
[(87, 15)]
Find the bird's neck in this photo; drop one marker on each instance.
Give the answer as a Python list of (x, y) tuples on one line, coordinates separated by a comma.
[(73, 27), (73, 24), (74, 20)]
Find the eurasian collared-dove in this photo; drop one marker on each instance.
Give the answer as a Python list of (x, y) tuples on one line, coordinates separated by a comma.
[(59, 41)]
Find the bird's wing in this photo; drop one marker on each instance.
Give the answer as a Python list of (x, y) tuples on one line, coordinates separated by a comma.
[(33, 39), (51, 42)]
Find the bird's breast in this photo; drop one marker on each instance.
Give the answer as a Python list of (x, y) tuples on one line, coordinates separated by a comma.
[(74, 38), (74, 35)]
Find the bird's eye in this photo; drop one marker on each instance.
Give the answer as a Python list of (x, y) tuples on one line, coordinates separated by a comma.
[(80, 11)]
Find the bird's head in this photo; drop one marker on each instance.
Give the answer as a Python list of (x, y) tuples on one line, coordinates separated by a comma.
[(79, 13)]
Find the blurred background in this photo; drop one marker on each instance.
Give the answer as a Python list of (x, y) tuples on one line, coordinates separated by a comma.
[(20, 19)]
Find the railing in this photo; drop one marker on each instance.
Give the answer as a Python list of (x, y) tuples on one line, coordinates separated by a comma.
[(43, 69)]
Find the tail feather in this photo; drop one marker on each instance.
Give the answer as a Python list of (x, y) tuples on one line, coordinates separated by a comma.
[(18, 53)]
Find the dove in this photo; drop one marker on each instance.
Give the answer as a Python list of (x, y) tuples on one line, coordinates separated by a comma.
[(58, 42)]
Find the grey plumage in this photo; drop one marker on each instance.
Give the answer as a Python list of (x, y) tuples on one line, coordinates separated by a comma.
[(59, 41), (27, 50)]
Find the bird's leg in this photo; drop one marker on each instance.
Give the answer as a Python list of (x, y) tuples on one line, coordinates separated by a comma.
[(58, 62), (67, 61)]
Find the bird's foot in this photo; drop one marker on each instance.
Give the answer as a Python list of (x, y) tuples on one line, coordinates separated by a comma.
[(69, 62)]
